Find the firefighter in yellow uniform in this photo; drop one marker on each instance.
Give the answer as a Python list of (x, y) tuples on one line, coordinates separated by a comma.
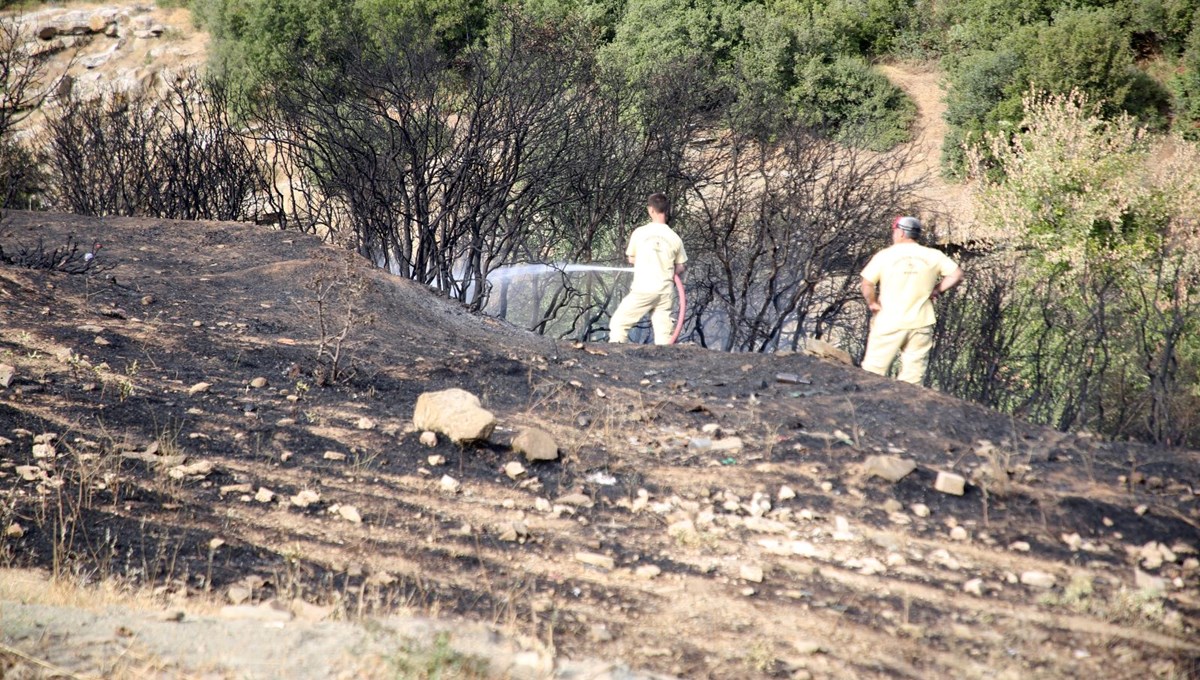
[(657, 255), (900, 284)]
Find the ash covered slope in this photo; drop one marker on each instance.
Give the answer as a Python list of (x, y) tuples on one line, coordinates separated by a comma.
[(189, 404)]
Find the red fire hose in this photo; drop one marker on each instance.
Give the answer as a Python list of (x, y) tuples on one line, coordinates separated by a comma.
[(682, 309)]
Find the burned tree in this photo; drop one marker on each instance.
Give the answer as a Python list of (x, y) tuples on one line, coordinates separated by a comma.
[(779, 228), (178, 154)]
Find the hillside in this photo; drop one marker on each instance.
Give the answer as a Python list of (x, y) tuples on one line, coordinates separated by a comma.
[(164, 428)]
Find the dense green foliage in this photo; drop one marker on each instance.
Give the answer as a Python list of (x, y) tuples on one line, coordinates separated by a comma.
[(1089, 317), (796, 63), (794, 60)]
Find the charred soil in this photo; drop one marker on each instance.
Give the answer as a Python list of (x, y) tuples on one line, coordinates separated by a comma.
[(191, 394)]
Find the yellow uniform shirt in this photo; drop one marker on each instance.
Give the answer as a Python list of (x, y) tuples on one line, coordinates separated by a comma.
[(904, 275), (655, 249)]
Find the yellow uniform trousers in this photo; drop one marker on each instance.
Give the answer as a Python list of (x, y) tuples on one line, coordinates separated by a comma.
[(634, 306), (913, 346)]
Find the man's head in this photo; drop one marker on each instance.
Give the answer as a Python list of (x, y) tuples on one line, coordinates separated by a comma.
[(659, 207), (906, 228)]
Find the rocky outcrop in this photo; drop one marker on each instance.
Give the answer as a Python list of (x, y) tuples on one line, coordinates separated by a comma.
[(94, 51)]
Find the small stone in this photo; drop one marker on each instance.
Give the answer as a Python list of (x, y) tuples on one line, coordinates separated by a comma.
[(514, 469), (350, 514), (974, 587), (827, 486), (429, 439), (305, 498), (751, 572), (841, 529), (825, 350), (264, 495), (436, 460), (647, 571), (238, 593), (944, 558), (807, 647), (920, 509), (1073, 541), (535, 444), (196, 470), (542, 505), (786, 493), (147, 300), (959, 534), (575, 499), (1019, 546), (14, 530), (258, 383), (1141, 510), (199, 388), (1151, 557), (6, 374), (891, 468), (1037, 579), (728, 445), (365, 423), (450, 484), (870, 566), (950, 483), (101, 342), (596, 560), (892, 505), (334, 455)]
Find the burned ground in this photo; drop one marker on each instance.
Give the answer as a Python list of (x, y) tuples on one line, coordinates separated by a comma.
[(840, 575)]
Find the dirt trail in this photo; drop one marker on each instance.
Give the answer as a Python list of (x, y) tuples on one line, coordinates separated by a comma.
[(950, 205)]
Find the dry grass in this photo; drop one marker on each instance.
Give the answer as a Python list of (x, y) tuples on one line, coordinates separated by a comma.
[(32, 586)]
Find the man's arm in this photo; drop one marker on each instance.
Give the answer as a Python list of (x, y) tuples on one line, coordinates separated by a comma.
[(948, 281), (679, 269), (868, 291)]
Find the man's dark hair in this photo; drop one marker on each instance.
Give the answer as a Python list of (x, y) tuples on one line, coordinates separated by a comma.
[(660, 204)]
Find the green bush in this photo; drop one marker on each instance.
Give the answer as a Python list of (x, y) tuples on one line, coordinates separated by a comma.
[(260, 41), (855, 101), (1186, 86)]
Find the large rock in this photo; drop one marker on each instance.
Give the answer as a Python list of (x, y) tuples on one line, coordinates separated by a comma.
[(535, 444), (6, 375), (455, 413), (890, 468)]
